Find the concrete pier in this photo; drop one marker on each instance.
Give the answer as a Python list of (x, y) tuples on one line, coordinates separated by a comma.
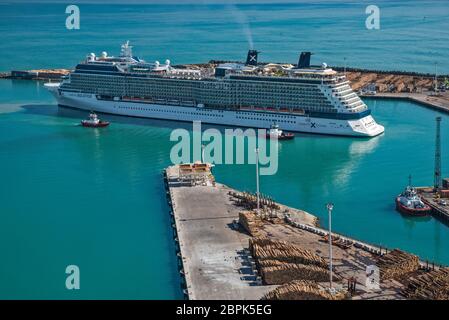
[(216, 261), (439, 210), (214, 254), (440, 103)]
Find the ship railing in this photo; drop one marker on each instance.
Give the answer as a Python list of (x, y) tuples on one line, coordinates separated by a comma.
[(281, 76), (338, 84), (159, 101), (341, 92), (348, 99), (272, 109)]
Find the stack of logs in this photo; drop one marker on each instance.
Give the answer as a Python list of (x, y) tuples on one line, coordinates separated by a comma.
[(389, 82), (280, 274), (250, 222), (279, 262), (396, 264), (301, 290), (433, 285), (269, 249), (249, 200)]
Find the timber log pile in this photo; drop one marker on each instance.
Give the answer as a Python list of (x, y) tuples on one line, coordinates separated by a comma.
[(396, 264), (249, 201), (301, 290), (433, 285), (268, 249), (338, 241), (250, 222), (390, 82), (279, 262), (286, 272)]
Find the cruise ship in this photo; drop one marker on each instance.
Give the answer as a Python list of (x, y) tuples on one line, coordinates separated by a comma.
[(298, 98)]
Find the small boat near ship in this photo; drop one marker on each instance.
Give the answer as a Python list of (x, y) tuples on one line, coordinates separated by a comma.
[(410, 203), (94, 122), (276, 132)]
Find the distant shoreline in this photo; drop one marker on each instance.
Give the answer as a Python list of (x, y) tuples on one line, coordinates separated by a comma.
[(8, 74)]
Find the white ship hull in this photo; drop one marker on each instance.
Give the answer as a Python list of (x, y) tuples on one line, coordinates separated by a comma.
[(365, 126)]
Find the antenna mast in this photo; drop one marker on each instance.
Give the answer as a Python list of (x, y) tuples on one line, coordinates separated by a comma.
[(436, 78)]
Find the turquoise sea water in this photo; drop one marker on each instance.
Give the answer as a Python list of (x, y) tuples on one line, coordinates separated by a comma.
[(95, 198), (412, 36), (85, 197)]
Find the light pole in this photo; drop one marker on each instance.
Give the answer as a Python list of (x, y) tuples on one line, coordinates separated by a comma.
[(330, 207), (345, 65), (436, 79), (257, 181)]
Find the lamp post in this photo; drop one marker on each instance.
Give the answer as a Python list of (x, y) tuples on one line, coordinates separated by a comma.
[(345, 66), (436, 78), (330, 207), (257, 180)]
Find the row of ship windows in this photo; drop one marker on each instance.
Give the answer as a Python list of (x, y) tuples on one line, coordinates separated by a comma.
[(305, 103), (281, 102), (256, 116), (211, 112), (241, 95), (267, 115), (253, 118), (222, 98), (241, 88), (323, 107), (183, 92), (180, 92), (172, 111), (296, 107)]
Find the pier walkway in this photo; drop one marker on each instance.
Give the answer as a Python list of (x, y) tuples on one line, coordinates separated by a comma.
[(215, 259), (216, 265)]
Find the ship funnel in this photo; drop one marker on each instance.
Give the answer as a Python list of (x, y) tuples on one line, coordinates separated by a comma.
[(251, 58), (304, 60)]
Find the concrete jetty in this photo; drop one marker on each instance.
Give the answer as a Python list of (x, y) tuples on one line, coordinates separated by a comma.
[(214, 257), (440, 210), (37, 74), (440, 103), (217, 263)]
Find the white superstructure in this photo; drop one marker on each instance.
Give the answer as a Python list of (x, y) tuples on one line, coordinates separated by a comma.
[(301, 98)]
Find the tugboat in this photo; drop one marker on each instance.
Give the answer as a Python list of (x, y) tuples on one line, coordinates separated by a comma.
[(276, 132), (409, 203), (94, 122)]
